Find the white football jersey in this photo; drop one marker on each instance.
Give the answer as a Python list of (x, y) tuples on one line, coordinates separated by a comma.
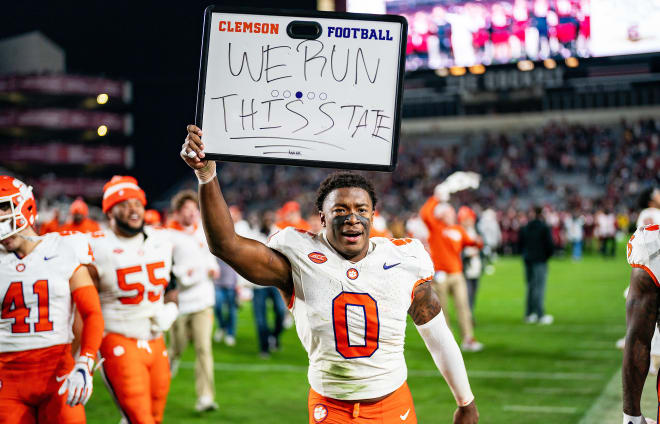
[(644, 250), (648, 216), (351, 317), (36, 297), (133, 274)]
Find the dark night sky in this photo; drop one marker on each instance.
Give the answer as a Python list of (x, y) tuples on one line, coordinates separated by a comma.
[(155, 45)]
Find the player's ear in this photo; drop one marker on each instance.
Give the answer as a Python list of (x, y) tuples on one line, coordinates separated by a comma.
[(322, 215)]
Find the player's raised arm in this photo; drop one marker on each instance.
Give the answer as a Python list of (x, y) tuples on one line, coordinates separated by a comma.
[(253, 260), (426, 313), (641, 311)]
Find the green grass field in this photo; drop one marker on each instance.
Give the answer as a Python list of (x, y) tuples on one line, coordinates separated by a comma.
[(526, 374)]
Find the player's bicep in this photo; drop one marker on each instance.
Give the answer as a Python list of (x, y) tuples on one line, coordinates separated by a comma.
[(425, 305), (80, 278), (261, 265)]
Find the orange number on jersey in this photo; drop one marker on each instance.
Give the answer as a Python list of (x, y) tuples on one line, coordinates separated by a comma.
[(121, 281), (13, 307), (401, 241), (151, 268), (340, 324), (152, 296)]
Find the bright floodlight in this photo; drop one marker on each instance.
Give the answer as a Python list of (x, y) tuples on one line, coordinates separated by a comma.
[(102, 99), (102, 130), (525, 65), (550, 63), (572, 62), (477, 69)]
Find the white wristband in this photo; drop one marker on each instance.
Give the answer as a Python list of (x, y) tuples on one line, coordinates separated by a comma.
[(206, 174), (627, 419)]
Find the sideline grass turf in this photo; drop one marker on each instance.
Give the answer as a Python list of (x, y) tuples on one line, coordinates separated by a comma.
[(526, 374)]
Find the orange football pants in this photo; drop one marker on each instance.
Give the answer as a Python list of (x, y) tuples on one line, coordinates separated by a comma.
[(137, 374), (396, 408), (28, 387)]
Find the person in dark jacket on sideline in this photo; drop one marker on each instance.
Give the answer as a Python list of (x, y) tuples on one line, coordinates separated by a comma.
[(536, 247)]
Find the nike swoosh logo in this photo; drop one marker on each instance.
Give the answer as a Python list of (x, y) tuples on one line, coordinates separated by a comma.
[(404, 416), (46, 258), (386, 266)]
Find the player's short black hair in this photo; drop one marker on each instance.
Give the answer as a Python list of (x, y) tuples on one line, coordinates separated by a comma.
[(344, 180), (645, 197)]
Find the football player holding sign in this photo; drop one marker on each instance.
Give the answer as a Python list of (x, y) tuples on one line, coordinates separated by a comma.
[(349, 295), (39, 277)]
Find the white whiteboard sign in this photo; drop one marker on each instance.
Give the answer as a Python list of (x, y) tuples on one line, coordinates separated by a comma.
[(333, 101)]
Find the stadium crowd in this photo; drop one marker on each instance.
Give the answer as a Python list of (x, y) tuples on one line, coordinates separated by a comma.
[(579, 173)]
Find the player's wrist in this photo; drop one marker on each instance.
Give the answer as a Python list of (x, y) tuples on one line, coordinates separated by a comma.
[(86, 362), (206, 174), (467, 402), (629, 419)]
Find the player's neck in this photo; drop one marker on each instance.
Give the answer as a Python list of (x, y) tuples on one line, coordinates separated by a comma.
[(27, 245)]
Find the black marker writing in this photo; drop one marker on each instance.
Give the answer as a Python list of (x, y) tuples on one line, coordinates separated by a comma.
[(361, 54), (247, 115), (224, 109), (245, 62), (269, 67), (293, 111), (316, 56), (326, 114)]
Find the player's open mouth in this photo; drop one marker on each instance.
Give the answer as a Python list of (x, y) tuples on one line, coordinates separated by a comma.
[(352, 236)]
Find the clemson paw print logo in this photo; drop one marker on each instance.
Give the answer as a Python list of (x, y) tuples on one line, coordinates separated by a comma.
[(320, 413), (352, 273)]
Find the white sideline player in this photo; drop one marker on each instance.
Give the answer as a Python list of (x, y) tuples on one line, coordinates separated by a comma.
[(350, 298), (41, 279), (132, 268), (641, 318)]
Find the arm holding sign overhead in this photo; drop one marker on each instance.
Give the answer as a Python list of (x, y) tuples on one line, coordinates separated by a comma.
[(251, 259)]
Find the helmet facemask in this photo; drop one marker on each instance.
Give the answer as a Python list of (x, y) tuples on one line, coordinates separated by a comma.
[(12, 220)]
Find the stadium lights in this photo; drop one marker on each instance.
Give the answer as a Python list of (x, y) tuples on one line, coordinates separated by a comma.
[(572, 62), (102, 99), (102, 130), (442, 72), (550, 64), (477, 69), (457, 71), (525, 65)]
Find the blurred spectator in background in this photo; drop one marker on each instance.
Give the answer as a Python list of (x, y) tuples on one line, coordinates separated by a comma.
[(489, 229), (446, 242), (269, 339), (52, 225), (379, 227), (471, 256), (80, 221), (152, 217), (196, 300), (649, 203), (226, 304), (314, 221), (536, 247), (574, 224), (605, 231), (289, 216)]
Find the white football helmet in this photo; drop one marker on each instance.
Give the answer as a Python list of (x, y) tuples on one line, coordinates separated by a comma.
[(18, 209)]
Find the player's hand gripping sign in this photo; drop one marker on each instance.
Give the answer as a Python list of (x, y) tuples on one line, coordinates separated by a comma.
[(320, 89)]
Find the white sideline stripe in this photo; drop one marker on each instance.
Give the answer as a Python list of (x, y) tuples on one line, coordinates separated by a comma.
[(226, 366), (541, 409), (596, 354), (559, 390)]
